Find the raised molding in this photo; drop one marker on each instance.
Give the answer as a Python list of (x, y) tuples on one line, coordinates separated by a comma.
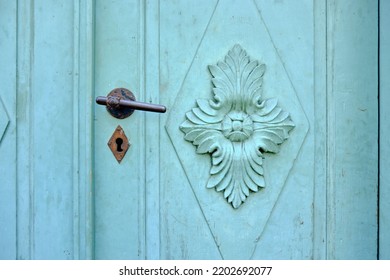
[(25, 131), (352, 129), (320, 128), (31, 226), (83, 148)]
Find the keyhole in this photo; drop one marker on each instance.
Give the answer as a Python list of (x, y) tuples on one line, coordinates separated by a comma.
[(119, 142)]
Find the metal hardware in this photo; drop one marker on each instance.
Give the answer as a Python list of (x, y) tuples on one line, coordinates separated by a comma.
[(119, 144), (121, 103)]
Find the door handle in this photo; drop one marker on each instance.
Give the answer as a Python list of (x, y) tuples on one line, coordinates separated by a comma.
[(121, 103)]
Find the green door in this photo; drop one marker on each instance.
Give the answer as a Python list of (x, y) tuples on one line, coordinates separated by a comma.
[(238, 166), (268, 149)]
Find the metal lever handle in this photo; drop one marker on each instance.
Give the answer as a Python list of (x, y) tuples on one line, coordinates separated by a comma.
[(136, 105), (121, 103)]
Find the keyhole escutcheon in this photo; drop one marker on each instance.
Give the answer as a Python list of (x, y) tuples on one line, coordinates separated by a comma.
[(119, 143)]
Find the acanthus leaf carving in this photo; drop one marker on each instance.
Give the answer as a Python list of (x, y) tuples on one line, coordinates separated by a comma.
[(236, 127)]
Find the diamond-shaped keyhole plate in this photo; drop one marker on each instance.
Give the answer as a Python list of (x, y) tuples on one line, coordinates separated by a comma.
[(119, 144)]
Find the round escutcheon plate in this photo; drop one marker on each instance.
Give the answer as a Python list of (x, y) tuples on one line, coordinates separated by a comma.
[(113, 107)]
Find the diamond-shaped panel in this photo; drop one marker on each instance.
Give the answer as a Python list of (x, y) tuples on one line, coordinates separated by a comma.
[(4, 120), (236, 231)]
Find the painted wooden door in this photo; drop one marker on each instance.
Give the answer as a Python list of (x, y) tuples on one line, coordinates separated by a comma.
[(259, 121), (268, 150)]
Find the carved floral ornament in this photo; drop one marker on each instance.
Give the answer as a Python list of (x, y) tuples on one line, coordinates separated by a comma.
[(236, 127)]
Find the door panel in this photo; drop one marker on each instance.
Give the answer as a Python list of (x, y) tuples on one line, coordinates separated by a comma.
[(63, 195), (237, 27), (39, 159), (119, 188), (191, 38), (352, 129), (178, 53)]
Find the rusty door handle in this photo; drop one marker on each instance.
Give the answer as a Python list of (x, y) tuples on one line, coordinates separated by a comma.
[(121, 103)]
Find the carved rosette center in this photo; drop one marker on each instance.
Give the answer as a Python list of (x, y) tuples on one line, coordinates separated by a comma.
[(236, 127)]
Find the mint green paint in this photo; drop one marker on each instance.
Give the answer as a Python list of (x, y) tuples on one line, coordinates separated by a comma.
[(45, 164), (119, 190), (352, 129), (7, 129), (251, 218), (384, 207), (64, 196)]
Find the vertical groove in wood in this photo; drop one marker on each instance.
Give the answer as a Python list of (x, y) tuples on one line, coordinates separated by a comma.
[(330, 135), (379, 134), (83, 128), (320, 128), (142, 139), (89, 55), (25, 133), (152, 128), (76, 130), (32, 139)]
